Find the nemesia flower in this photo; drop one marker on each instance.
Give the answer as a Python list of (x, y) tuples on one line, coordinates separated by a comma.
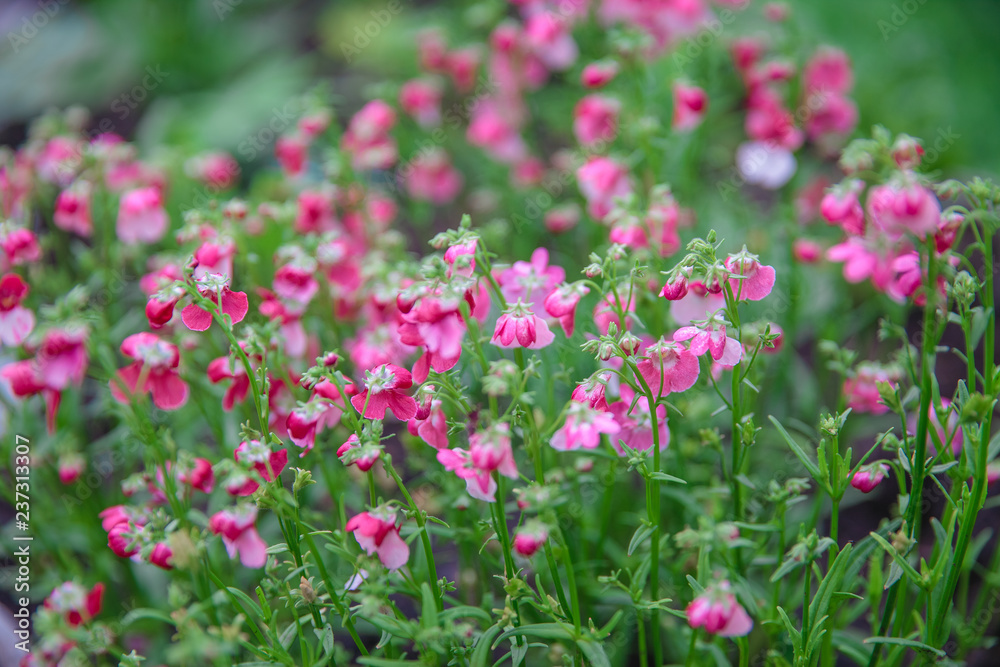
[(869, 476), (378, 533), (599, 74), (464, 254), (690, 106), (71, 466), (490, 130), (430, 423), (636, 424), (669, 367), (16, 321), (595, 119), (72, 212), (367, 138), (562, 218), (436, 325), (713, 339), (21, 246), (490, 450), (431, 177), (861, 389), (259, 457), (200, 476), (217, 170), (383, 391), (295, 282), (75, 603), (315, 212), (155, 367), (548, 37), (214, 256), (353, 452), (225, 368), (601, 180), (291, 151), (751, 280), (421, 98), (237, 527), (530, 538), (806, 251), (215, 287), (592, 391), (161, 556), (765, 165), (719, 613), (829, 71), (141, 217), (324, 410), (62, 357), (908, 209), (562, 303), (26, 380), (531, 281), (59, 160), (519, 327), (583, 428), (478, 483)]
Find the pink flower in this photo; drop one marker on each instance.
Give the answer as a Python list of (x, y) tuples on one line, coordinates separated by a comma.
[(377, 533), (719, 613), (530, 538), (384, 387), (861, 389), (562, 303), (291, 151), (239, 534), (669, 367), (353, 452), (899, 210), (601, 180), (862, 261), (296, 282), (430, 423), (806, 251), (141, 217), (751, 280), (156, 367), (436, 325), (478, 483), (695, 303), (75, 603), (431, 177), (71, 466), (21, 247), (531, 281), (322, 411), (583, 428), (490, 450), (16, 321), (548, 37), (217, 170), (59, 160), (519, 327), (690, 106), (259, 457), (828, 71), (200, 477), (869, 476), (26, 380), (224, 368), (72, 213), (599, 74), (367, 138), (595, 119), (62, 357), (465, 255), (592, 391), (562, 218), (214, 256), (637, 424), (421, 98), (495, 133), (713, 339), (215, 287), (315, 212), (161, 555)]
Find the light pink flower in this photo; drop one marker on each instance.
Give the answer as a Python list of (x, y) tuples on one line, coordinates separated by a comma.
[(431, 177), (897, 210), (601, 180), (430, 423), (367, 138), (861, 389), (751, 280), (239, 534), (531, 281), (478, 483), (562, 302), (16, 321), (490, 450), (547, 35), (595, 119), (669, 367), (291, 151), (719, 613), (72, 212), (592, 391), (583, 428), (421, 98), (690, 106), (377, 533), (155, 365), (141, 216), (519, 327), (637, 424)]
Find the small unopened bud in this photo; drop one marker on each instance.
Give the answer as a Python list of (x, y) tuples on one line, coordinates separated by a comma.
[(593, 271), (629, 343), (307, 591), (303, 478)]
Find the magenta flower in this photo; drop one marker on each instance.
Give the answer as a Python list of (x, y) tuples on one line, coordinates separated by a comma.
[(430, 423), (719, 613), (583, 428), (322, 411), (531, 281), (478, 483), (436, 325), (432, 177), (750, 280), (690, 106), (353, 452), (141, 216), (490, 450), (155, 367), (215, 287), (384, 387), (637, 425), (601, 180), (16, 321), (62, 357), (72, 212), (591, 392), (377, 533), (295, 282), (259, 457), (599, 74), (595, 119), (869, 476), (239, 534), (224, 368), (421, 99), (291, 151), (861, 388), (465, 255), (530, 538), (899, 209), (26, 380)]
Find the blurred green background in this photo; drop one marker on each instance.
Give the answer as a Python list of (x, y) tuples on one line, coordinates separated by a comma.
[(926, 67)]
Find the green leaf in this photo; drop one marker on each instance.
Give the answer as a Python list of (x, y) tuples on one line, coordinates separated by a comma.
[(902, 562), (640, 535), (594, 653), (664, 477), (820, 605), (386, 662), (429, 617), (799, 452), (481, 653), (540, 630), (139, 614), (899, 641), (246, 599)]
